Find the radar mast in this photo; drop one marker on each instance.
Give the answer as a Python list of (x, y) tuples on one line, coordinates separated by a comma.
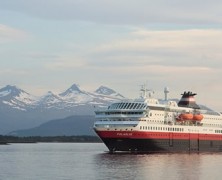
[(166, 91), (145, 92)]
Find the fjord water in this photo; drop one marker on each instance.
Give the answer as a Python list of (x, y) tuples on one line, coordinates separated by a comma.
[(91, 161)]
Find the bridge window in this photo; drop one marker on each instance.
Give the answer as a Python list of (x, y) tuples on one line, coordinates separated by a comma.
[(114, 106), (137, 107), (121, 106), (125, 104), (117, 106), (128, 105), (131, 105), (140, 106), (134, 105)]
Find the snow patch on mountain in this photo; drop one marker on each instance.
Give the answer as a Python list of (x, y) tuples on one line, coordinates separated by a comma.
[(103, 90), (26, 98), (4, 93), (50, 98), (75, 95), (16, 98), (74, 89), (72, 97)]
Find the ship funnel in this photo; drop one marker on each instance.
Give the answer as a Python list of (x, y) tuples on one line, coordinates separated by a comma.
[(187, 100), (166, 91)]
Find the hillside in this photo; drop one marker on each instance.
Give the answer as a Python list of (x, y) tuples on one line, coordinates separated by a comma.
[(70, 126)]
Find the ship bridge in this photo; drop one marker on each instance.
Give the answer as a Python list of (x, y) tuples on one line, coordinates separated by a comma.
[(124, 110)]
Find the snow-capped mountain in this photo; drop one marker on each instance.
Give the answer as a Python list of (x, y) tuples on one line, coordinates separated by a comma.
[(49, 100), (19, 109), (16, 98), (76, 96), (74, 89)]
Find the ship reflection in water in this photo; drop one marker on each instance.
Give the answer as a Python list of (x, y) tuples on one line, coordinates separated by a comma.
[(158, 166)]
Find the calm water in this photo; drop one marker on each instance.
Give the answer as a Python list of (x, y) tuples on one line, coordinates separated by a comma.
[(90, 161)]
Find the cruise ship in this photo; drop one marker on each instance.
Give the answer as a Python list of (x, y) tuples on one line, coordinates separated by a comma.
[(149, 125)]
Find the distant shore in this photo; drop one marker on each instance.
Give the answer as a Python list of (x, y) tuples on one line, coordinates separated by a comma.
[(38, 139)]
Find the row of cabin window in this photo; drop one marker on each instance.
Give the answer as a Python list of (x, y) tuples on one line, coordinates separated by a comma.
[(127, 106), (214, 118), (212, 124), (124, 113), (160, 115), (212, 113), (159, 121), (218, 131), (117, 120), (161, 128)]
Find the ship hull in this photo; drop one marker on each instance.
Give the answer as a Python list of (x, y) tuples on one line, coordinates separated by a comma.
[(189, 143), (161, 145)]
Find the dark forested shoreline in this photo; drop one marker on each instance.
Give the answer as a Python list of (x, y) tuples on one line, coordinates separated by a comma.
[(37, 139)]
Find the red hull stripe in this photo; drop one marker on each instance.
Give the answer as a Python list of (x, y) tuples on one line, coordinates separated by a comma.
[(157, 135)]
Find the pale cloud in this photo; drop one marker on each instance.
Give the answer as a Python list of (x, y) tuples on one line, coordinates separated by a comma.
[(158, 69), (12, 72), (168, 47), (9, 34), (65, 63), (40, 55), (144, 39), (121, 11)]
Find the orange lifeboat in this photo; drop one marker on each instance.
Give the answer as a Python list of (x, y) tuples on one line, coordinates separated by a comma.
[(197, 117), (185, 116)]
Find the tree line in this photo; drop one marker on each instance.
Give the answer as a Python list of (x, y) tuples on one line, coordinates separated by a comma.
[(36, 139)]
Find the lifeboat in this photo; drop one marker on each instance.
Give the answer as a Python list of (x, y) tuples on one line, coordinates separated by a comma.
[(185, 116), (197, 117), (189, 117)]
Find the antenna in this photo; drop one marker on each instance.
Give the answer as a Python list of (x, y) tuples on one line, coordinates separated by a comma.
[(144, 91), (166, 91)]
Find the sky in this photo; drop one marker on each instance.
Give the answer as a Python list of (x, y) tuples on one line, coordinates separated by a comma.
[(52, 44)]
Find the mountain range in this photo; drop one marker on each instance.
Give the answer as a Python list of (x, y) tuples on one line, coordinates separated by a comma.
[(22, 110)]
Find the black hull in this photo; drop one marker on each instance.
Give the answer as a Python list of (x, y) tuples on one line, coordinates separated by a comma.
[(161, 145)]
